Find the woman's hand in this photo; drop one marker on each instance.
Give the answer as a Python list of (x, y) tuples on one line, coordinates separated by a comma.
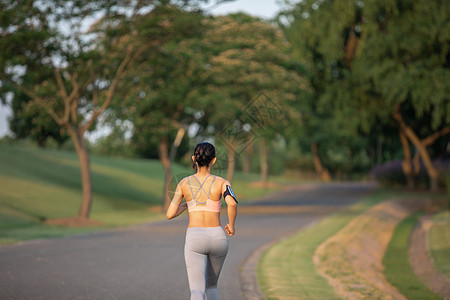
[(229, 229)]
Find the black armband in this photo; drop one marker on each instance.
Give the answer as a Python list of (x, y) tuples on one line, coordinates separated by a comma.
[(229, 192)]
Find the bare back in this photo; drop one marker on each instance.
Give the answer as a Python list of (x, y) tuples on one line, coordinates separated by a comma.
[(203, 188)]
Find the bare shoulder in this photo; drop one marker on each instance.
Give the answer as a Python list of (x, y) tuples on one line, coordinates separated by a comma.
[(183, 182), (222, 182)]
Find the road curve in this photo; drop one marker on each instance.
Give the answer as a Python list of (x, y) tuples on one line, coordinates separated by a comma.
[(146, 261)]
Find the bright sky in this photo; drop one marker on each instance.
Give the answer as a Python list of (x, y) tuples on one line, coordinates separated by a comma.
[(261, 8)]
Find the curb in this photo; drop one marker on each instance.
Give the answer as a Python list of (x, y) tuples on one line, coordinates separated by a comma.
[(422, 262)]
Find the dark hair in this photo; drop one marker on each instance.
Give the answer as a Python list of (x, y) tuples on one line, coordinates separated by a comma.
[(204, 153)]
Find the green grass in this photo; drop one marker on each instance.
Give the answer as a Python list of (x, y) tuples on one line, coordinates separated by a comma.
[(439, 242), (398, 270), (38, 184), (287, 271)]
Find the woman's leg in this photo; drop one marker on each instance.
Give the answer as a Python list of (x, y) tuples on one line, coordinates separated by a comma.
[(217, 254), (196, 263)]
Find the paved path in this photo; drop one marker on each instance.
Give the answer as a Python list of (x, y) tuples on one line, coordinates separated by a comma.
[(146, 261)]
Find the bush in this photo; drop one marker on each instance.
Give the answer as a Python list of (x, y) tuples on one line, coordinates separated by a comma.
[(391, 174)]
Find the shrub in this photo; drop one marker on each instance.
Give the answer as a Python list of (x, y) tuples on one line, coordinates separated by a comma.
[(391, 173)]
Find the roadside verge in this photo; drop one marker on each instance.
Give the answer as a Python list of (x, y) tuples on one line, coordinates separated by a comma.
[(352, 259), (339, 257)]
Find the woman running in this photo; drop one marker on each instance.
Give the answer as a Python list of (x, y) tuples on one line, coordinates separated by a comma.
[(206, 243)]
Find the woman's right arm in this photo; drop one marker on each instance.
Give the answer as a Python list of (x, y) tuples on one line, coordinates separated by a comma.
[(176, 207), (231, 210)]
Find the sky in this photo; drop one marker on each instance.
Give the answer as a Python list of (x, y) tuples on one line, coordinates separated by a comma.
[(260, 8)]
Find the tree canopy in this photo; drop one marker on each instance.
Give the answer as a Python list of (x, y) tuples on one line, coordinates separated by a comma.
[(374, 65)]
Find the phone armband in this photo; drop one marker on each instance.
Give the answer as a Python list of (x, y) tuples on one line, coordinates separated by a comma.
[(229, 192)]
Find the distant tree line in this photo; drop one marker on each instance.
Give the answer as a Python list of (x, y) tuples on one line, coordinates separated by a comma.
[(337, 87)]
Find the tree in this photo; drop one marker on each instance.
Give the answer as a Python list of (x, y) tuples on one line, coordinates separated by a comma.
[(154, 93), (56, 71), (244, 61), (29, 120), (406, 48), (372, 63), (325, 38), (73, 76)]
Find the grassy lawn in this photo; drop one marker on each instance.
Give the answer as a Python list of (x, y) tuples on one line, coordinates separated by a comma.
[(37, 185), (287, 271), (398, 270), (439, 242)]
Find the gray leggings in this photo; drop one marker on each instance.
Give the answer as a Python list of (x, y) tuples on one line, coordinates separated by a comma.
[(204, 252)]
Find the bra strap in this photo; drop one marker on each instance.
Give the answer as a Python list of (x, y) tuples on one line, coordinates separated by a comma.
[(209, 192), (200, 187), (189, 183)]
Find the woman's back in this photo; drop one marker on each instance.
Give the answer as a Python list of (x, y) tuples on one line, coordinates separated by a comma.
[(203, 193)]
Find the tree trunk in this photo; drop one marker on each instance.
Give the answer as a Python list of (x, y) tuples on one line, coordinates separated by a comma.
[(350, 47), (431, 170), (321, 171), (246, 164), (86, 183), (231, 163), (428, 141), (416, 163), (42, 142), (176, 143), (163, 151), (264, 169), (406, 164), (409, 133)]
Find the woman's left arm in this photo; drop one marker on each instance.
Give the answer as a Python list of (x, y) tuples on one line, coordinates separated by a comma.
[(176, 207)]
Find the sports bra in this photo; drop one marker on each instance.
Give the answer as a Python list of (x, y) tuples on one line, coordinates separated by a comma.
[(208, 205)]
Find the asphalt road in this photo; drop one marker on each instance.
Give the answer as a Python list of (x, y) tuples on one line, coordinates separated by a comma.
[(146, 261)]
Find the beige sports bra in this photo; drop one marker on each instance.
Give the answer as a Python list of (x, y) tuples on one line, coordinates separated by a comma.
[(208, 205)]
